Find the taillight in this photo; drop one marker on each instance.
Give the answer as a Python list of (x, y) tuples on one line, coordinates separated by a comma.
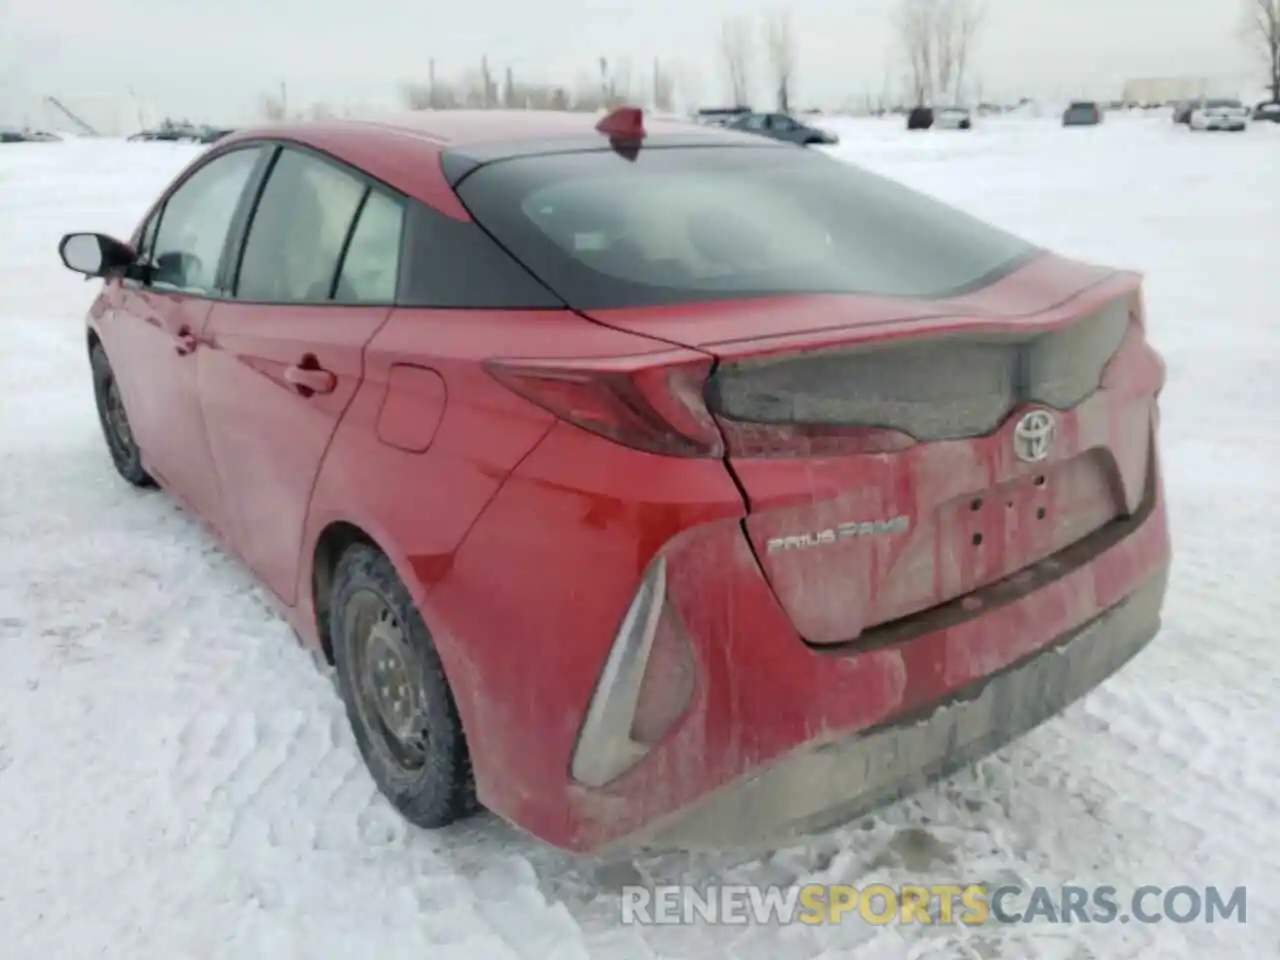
[(1136, 364), (641, 403)]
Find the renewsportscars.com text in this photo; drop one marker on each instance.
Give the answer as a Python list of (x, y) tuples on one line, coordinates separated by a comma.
[(970, 905)]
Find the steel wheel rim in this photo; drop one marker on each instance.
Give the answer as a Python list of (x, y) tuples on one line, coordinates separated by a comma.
[(117, 419), (387, 679)]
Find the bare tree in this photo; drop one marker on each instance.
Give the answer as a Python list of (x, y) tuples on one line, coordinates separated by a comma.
[(511, 98), (587, 95), (272, 107), (619, 84), (967, 19), (780, 41), (416, 96), (943, 16), (937, 37), (736, 50), (1262, 24), (914, 21), (489, 87), (664, 89)]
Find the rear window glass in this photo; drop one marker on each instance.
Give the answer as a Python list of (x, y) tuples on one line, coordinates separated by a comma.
[(1219, 104), (705, 223)]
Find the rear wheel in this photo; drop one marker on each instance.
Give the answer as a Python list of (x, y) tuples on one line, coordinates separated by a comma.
[(401, 708), (115, 421)]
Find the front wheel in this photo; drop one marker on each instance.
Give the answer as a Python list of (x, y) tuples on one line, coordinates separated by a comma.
[(398, 701), (115, 422)]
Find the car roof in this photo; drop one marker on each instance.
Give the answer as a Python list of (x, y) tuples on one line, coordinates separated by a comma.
[(406, 150), (451, 129)]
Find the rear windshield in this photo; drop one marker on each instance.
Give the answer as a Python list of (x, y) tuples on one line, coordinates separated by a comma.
[(1219, 104), (705, 223)]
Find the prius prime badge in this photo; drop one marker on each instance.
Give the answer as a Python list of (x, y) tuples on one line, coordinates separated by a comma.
[(1033, 436)]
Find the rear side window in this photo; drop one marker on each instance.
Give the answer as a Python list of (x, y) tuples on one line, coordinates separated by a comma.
[(372, 262), (704, 223), (298, 231), (454, 264)]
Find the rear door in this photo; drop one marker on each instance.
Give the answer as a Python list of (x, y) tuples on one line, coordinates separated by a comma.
[(284, 357)]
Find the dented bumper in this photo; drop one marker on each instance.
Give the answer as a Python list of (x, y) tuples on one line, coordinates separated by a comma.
[(828, 783)]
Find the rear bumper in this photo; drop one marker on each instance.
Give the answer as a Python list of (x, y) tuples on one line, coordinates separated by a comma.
[(828, 783)]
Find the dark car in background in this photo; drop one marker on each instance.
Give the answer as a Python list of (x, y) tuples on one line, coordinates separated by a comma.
[(1267, 111), (169, 132), (1082, 113), (14, 135), (920, 118), (1182, 112), (720, 116), (779, 126)]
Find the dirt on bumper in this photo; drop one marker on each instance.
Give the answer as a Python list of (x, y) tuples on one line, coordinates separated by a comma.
[(829, 783)]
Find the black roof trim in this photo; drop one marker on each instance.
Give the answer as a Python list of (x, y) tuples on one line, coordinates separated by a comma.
[(458, 162)]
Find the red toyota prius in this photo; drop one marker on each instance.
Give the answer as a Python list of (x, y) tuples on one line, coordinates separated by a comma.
[(649, 484)]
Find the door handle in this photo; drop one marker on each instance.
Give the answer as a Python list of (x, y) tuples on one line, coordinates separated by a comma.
[(185, 342), (310, 380)]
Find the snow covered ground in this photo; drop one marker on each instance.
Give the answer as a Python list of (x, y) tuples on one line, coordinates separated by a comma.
[(177, 780)]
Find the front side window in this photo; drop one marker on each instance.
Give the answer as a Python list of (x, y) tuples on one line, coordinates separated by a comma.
[(147, 237), (704, 223), (297, 231), (192, 231)]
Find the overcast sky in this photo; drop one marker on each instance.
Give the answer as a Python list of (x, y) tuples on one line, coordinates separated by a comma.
[(206, 56)]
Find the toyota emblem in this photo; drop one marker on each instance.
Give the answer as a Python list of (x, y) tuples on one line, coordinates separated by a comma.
[(1033, 436)]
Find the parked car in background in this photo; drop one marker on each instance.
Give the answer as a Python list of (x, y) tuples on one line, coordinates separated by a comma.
[(953, 118), (802, 487), (1267, 111), (1182, 111), (720, 116), (920, 118), (1220, 114), (27, 135), (1082, 113), (779, 126), (214, 134), (182, 133)]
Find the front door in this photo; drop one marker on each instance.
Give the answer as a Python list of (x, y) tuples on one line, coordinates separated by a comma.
[(159, 325), (284, 357)]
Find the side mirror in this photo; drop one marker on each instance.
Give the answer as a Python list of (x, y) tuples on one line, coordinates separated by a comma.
[(95, 254)]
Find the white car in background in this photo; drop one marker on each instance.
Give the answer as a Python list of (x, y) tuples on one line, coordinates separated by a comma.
[(953, 118), (1224, 114)]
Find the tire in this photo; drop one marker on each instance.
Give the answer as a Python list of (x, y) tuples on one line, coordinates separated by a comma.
[(424, 768), (115, 422)]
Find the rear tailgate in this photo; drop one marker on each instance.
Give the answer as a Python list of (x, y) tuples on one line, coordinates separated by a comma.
[(879, 461)]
